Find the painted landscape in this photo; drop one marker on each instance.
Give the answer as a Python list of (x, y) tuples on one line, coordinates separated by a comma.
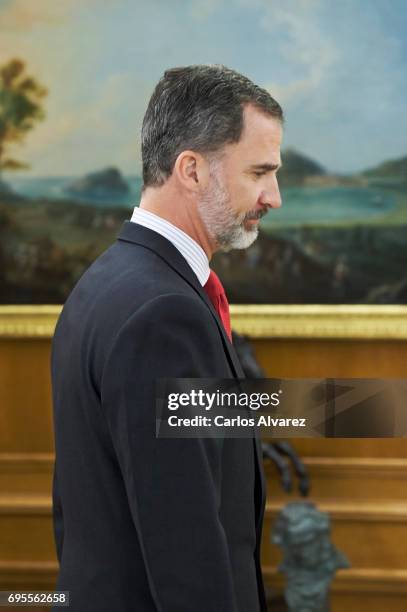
[(336, 239), (75, 80)]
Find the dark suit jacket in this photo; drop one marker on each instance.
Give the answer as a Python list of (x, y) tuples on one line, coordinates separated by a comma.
[(146, 524)]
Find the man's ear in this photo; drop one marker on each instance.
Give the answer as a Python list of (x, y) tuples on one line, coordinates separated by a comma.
[(191, 170)]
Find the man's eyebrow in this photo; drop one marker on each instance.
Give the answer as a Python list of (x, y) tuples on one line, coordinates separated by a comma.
[(265, 167)]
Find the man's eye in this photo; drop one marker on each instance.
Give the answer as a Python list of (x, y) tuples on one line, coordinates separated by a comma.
[(258, 173)]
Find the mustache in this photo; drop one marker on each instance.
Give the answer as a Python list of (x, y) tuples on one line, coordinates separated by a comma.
[(256, 214)]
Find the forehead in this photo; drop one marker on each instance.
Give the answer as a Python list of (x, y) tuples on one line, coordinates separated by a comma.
[(260, 141)]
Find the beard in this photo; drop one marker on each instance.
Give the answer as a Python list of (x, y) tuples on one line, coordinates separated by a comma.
[(225, 226)]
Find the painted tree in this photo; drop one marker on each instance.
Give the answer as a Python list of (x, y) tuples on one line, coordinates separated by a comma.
[(20, 109)]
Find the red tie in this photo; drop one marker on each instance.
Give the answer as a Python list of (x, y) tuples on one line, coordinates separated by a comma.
[(216, 293)]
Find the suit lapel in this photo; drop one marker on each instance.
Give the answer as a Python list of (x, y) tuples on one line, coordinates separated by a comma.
[(138, 234)]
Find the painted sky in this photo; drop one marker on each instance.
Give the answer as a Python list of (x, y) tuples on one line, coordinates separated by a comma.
[(338, 69)]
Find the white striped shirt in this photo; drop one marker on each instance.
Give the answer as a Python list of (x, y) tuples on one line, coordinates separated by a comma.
[(194, 254)]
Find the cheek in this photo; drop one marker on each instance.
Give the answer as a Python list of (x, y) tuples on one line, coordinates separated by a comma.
[(246, 201), (252, 197), (245, 196), (244, 192)]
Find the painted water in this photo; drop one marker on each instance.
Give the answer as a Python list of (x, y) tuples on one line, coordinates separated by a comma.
[(329, 206), (301, 205), (53, 188)]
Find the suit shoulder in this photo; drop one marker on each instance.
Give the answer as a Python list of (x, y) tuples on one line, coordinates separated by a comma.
[(172, 335), (171, 318), (174, 307)]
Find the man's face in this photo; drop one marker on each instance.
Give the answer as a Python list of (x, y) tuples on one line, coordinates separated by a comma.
[(243, 184)]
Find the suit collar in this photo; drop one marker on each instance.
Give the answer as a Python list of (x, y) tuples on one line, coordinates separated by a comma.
[(152, 240), (149, 239), (187, 246)]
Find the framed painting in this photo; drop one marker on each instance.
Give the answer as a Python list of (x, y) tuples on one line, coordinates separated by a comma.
[(333, 257)]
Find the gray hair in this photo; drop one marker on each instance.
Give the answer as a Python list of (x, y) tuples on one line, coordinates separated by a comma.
[(198, 108)]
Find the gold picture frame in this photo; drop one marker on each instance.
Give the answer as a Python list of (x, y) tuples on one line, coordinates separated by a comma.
[(348, 322)]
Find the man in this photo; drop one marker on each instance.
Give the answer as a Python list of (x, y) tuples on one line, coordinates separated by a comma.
[(169, 525)]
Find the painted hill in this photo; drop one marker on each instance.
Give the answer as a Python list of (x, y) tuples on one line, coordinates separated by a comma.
[(106, 183), (7, 193), (297, 168), (393, 168)]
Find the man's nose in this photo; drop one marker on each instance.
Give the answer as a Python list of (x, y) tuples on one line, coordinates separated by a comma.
[(271, 197)]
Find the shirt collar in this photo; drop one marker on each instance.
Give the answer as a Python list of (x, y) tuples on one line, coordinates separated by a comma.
[(192, 252)]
